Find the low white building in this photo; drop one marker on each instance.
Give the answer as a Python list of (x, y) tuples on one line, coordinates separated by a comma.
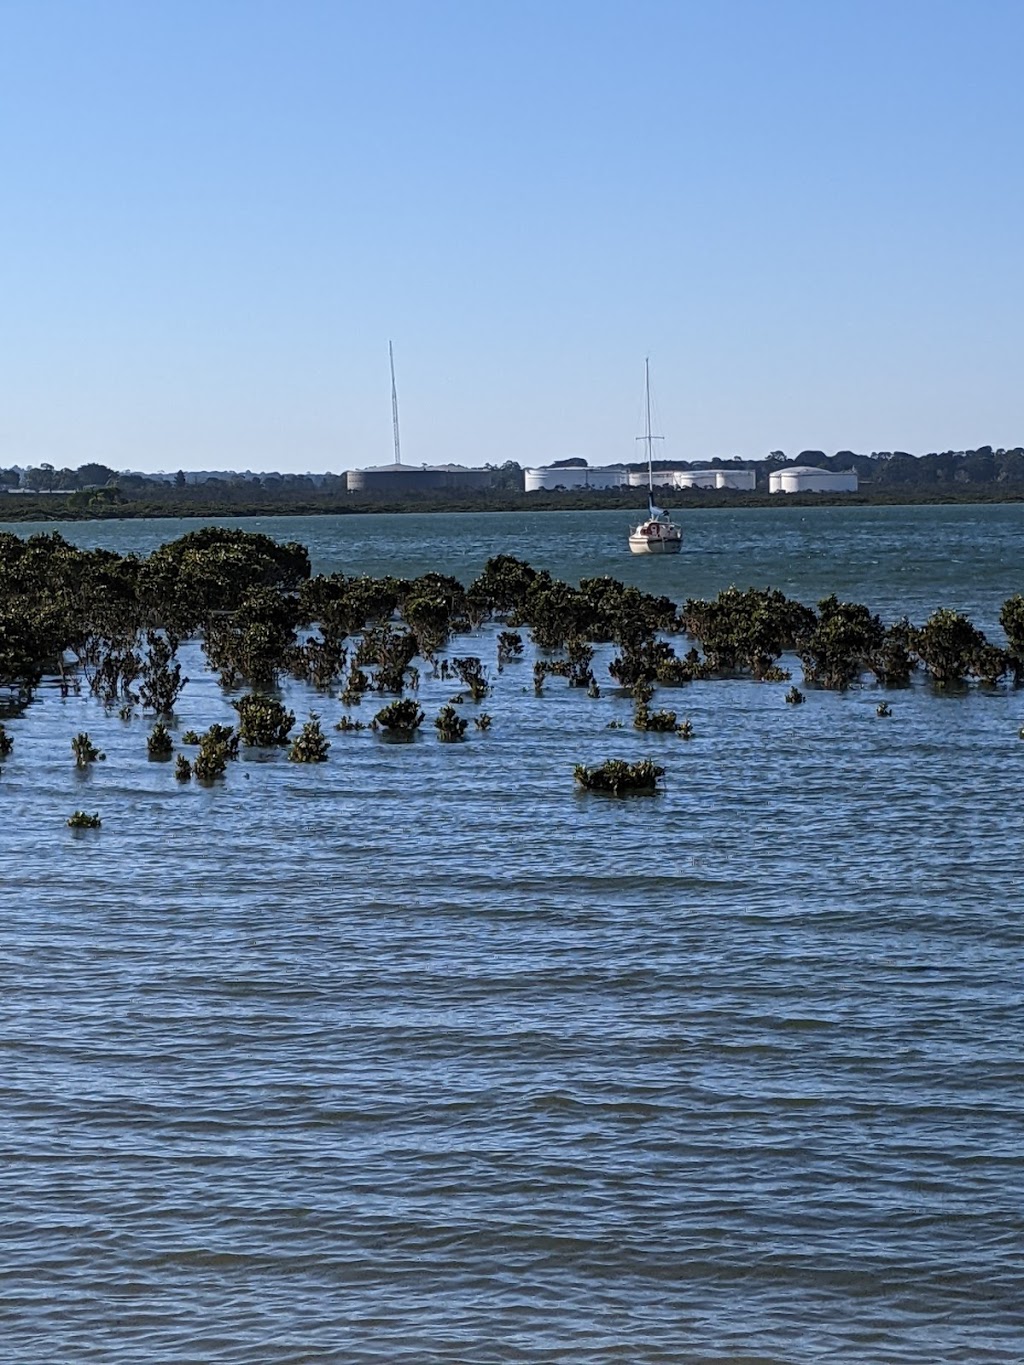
[(573, 476), (807, 479)]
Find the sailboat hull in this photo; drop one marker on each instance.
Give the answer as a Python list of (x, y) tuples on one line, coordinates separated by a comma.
[(655, 538)]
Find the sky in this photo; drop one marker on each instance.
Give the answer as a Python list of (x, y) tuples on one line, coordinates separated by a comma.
[(217, 213)]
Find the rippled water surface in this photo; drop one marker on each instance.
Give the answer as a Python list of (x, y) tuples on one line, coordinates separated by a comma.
[(422, 1055)]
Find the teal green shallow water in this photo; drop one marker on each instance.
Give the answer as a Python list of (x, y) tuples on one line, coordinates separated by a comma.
[(423, 1056)]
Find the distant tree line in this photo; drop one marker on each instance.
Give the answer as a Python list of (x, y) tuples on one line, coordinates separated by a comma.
[(897, 468), (45, 478), (96, 489), (892, 468)]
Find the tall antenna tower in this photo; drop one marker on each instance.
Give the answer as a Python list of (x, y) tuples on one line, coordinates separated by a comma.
[(394, 406)]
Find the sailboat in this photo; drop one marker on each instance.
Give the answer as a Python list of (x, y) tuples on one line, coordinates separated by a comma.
[(657, 534)]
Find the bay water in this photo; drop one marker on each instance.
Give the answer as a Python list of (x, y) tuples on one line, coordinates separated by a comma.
[(424, 1055)]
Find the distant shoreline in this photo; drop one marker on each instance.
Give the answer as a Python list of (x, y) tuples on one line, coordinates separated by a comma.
[(21, 507)]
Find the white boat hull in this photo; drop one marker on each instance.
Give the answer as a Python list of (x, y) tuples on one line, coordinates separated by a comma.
[(640, 545), (656, 538)]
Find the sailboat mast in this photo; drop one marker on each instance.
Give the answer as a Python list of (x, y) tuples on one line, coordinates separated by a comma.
[(647, 393), (394, 406), (647, 438)]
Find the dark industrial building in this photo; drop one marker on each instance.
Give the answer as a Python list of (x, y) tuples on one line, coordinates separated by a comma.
[(403, 478)]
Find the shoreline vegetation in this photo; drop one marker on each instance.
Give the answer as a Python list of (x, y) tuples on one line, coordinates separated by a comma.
[(200, 501), (101, 624)]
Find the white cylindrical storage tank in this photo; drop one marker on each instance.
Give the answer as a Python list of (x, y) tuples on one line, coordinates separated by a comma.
[(735, 478), (538, 480), (661, 478), (797, 480), (610, 476), (845, 481), (807, 479), (570, 477)]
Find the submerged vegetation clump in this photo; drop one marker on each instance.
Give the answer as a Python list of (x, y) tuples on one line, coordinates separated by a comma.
[(646, 719), (216, 748), (405, 716), (471, 674), (320, 663), (658, 721), (835, 651), (223, 734), (650, 660), (355, 686), (510, 646), (1011, 618), (952, 650), (83, 820), (310, 744), (390, 653), (450, 725), (161, 674), (618, 777), (747, 631), (263, 722), (255, 642), (85, 751), (160, 744)]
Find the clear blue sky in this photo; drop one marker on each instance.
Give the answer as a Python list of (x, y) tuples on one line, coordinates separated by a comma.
[(215, 215)]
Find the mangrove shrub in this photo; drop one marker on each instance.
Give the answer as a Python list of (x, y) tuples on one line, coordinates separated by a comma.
[(263, 722), (835, 652), (403, 715), (952, 649), (160, 744), (310, 744), (85, 751), (83, 820), (449, 724), (618, 777)]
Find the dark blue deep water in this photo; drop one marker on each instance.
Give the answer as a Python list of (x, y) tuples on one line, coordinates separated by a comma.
[(422, 1055)]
